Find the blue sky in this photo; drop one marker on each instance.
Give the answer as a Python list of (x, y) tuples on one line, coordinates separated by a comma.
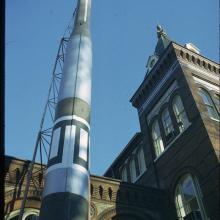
[(123, 36)]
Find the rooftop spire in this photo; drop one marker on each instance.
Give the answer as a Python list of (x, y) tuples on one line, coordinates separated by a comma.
[(163, 41), (161, 32)]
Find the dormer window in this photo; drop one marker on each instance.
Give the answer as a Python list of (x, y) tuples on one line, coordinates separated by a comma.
[(151, 62)]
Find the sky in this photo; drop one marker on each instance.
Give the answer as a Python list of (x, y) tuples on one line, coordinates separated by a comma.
[(123, 36)]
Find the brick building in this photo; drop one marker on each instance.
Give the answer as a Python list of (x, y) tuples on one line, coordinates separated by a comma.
[(170, 168), (177, 148)]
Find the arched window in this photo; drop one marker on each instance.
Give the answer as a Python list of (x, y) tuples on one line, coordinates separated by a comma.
[(209, 104), (157, 140), (141, 161), (29, 214), (132, 170), (124, 175), (32, 217), (188, 199), (180, 113), (167, 123), (217, 100)]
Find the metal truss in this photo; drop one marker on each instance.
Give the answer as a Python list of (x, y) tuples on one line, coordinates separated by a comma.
[(35, 176)]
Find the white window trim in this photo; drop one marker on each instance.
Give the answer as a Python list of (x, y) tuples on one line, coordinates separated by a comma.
[(212, 104), (121, 171), (160, 137), (141, 162), (198, 195), (214, 119), (132, 178), (179, 114), (168, 127), (141, 174), (27, 212), (208, 85), (169, 145)]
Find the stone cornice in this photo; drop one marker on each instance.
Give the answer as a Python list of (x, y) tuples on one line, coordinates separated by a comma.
[(171, 54)]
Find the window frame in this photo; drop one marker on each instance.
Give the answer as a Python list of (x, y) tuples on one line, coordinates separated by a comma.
[(209, 105), (185, 204), (157, 140), (133, 176), (124, 168), (181, 115), (167, 122), (216, 100), (141, 161)]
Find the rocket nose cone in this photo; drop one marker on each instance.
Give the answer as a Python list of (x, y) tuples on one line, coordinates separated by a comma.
[(83, 12)]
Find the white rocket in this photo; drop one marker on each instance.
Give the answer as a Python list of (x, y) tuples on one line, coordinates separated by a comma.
[(66, 189)]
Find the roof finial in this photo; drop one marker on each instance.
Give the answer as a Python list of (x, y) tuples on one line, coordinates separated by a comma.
[(160, 31)]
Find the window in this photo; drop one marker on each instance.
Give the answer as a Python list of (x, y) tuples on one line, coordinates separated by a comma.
[(14, 218), (209, 104), (188, 200), (132, 170), (124, 175), (32, 217), (217, 101), (157, 140), (141, 161), (180, 113), (167, 123), (29, 214)]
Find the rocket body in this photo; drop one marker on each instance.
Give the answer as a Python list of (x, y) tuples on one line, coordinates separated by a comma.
[(66, 188)]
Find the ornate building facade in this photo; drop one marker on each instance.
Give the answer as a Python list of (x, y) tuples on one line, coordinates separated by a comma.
[(110, 198), (170, 168)]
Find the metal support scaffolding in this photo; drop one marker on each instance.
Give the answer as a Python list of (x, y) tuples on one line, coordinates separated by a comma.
[(34, 175), (42, 146)]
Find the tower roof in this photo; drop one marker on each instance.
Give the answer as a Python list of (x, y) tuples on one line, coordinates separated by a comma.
[(163, 41)]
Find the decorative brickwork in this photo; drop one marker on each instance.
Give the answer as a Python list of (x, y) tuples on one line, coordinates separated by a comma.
[(109, 198)]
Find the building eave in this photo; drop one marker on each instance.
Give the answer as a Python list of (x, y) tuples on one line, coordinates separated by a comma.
[(137, 135), (149, 75), (175, 45)]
